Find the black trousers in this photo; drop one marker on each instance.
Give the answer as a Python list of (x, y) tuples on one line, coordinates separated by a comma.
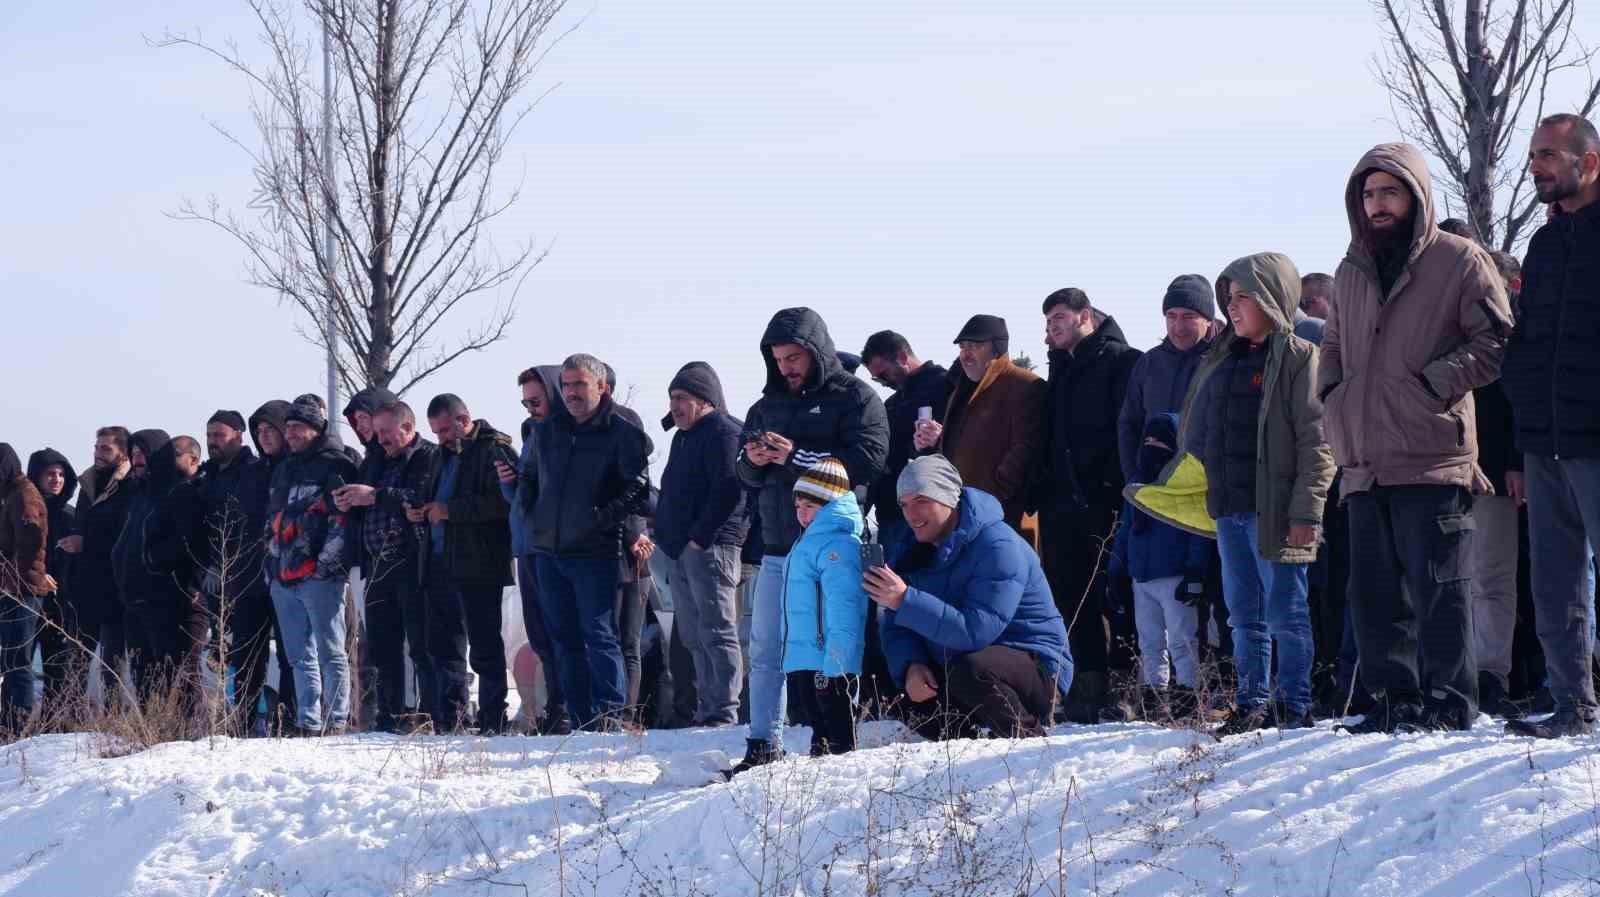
[(833, 718), (1415, 643), (396, 624), (252, 627), (170, 634), (1004, 690), (66, 664), (463, 630), (1074, 548)]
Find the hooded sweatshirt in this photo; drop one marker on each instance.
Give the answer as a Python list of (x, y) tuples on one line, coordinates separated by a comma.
[(24, 530), (518, 496), (1398, 366), (63, 519), (835, 415)]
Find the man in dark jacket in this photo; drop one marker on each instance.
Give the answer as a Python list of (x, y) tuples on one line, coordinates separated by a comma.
[(1160, 378), (24, 582), (920, 387), (137, 586), (1552, 375), (590, 473), (1078, 485), (700, 526), (103, 495), (810, 409), (255, 620), (468, 564), (308, 562), (64, 645), (166, 616), (396, 605)]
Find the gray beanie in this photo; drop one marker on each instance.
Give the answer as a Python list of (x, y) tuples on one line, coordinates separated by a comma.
[(932, 476)]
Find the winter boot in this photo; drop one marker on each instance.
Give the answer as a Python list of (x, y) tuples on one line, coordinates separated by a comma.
[(1183, 705), (1242, 719), (1493, 699), (1562, 724), (757, 752), (1086, 698)]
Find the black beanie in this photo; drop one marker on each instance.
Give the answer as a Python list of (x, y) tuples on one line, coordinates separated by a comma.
[(228, 419), (1193, 292), (699, 380), (307, 410)]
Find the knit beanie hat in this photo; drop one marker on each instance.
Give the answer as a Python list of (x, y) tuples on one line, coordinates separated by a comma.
[(1193, 292), (931, 476), (228, 419), (307, 410), (825, 481)]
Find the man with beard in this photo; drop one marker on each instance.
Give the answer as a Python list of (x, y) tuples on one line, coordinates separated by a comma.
[(1419, 320), (396, 609), (1552, 376), (133, 579), (1078, 488), (23, 584), (920, 387), (103, 497), (63, 644)]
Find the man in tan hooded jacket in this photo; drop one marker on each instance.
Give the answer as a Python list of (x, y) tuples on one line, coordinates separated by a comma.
[(1420, 319)]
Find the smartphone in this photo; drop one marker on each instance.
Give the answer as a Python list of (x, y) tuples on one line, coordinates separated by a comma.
[(871, 555)]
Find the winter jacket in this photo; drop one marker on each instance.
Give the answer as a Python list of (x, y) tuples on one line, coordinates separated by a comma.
[(1552, 366), (584, 481), (1147, 548), (103, 499), (929, 387), (1157, 385), (137, 584), (477, 534), (983, 586), (992, 440), (1497, 434), (701, 498), (229, 532), (1308, 328), (177, 539), (1079, 465), (824, 605), (519, 501), (1229, 417), (307, 537), (24, 530), (62, 518), (835, 415), (397, 482), (1398, 369), (1294, 466)]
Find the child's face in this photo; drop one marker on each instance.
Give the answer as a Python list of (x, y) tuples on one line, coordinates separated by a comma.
[(1249, 321), (805, 510)]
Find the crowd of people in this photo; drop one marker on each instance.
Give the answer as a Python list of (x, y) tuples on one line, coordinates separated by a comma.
[(1373, 495)]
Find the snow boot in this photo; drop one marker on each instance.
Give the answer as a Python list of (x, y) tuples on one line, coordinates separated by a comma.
[(1560, 725), (757, 752), (1241, 720), (1086, 698)]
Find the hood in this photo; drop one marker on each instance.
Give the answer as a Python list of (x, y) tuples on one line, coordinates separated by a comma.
[(151, 441), (1106, 333), (45, 457), (161, 472), (274, 412), (10, 465), (1405, 162), (369, 400), (1153, 459), (803, 327), (550, 379), (842, 516), (1271, 279)]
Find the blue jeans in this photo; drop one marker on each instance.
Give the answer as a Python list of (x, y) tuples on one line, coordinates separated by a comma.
[(1564, 531), (19, 630), (768, 694), (1266, 600), (311, 617), (579, 597)]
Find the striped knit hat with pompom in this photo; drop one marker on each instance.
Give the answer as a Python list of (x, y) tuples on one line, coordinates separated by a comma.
[(825, 481)]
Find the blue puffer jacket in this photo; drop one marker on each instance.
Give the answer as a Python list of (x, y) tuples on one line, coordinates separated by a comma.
[(824, 606), (984, 587)]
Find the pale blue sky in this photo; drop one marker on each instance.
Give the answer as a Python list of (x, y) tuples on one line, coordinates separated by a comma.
[(698, 166)]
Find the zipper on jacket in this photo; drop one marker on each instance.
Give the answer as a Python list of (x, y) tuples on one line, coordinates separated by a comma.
[(561, 493), (821, 629)]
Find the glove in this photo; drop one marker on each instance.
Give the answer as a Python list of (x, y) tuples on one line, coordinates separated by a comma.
[(1191, 589), (1119, 595)]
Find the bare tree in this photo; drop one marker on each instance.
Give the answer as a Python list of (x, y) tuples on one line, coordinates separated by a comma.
[(427, 96), (1467, 90)]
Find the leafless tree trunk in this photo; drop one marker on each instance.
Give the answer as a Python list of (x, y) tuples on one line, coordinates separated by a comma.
[(1467, 88), (428, 94)]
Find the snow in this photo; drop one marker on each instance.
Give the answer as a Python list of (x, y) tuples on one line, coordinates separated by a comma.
[(1128, 809)]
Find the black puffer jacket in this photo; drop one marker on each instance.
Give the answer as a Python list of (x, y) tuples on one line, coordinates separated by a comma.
[(229, 532), (138, 582), (586, 480), (835, 415), (929, 387), (63, 519), (102, 512), (477, 537), (1552, 369), (1081, 464)]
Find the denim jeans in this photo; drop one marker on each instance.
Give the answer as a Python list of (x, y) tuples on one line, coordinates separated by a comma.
[(1564, 531), (19, 630), (768, 694), (579, 597), (1266, 601), (311, 616)]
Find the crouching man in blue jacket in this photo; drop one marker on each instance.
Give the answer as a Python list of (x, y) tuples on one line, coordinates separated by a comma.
[(969, 626)]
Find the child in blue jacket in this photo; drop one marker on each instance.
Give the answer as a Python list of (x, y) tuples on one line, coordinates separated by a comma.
[(824, 606), (1168, 569)]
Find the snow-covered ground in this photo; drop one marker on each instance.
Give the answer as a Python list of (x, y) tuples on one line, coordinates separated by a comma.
[(1130, 809)]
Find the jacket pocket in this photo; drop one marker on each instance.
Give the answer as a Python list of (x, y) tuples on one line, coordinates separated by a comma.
[(1452, 548), (1335, 424), (1412, 423)]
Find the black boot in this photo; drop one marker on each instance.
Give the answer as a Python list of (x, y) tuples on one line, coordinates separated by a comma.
[(757, 752), (1560, 725), (1241, 720), (1086, 698), (1493, 699)]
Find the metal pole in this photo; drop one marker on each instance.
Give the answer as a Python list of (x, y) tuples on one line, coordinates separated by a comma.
[(330, 203)]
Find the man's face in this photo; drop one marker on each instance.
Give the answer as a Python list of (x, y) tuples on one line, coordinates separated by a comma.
[(535, 400), (929, 520), (1185, 328), (686, 409), (450, 431), (1558, 172), (188, 464), (270, 439), (794, 365), (1387, 202), (136, 459), (976, 355), (1316, 306), (223, 441), (52, 480), (393, 433), (107, 454), (1063, 327), (583, 393), (361, 422), (890, 372), (299, 435)]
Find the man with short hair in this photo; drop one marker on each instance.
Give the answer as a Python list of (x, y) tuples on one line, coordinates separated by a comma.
[(1160, 377), (396, 604), (993, 420), (1078, 489), (468, 563), (1552, 376), (700, 526), (1316, 295), (1419, 321), (590, 473), (137, 586), (810, 409), (102, 510), (917, 385), (969, 624)]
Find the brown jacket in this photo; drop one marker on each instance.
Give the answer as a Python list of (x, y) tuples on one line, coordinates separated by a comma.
[(1397, 371), (24, 529), (1000, 429)]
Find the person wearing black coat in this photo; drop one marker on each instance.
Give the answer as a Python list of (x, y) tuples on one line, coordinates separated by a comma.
[(917, 384), (467, 564), (254, 623), (63, 639), (103, 496), (590, 474)]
